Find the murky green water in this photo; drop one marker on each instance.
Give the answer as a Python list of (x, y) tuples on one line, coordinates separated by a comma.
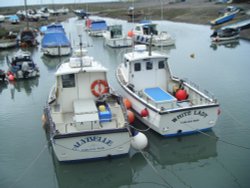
[(190, 161)]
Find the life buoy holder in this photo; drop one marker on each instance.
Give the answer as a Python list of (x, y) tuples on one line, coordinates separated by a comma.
[(99, 87)]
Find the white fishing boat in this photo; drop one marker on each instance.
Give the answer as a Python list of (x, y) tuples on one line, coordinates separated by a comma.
[(145, 30), (84, 117), (21, 66), (114, 37), (168, 105)]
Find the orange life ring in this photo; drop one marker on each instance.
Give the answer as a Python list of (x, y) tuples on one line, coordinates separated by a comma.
[(99, 87)]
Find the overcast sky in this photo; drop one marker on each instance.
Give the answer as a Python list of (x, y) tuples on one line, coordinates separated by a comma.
[(6, 3)]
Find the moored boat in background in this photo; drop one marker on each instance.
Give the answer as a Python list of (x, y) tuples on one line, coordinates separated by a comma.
[(27, 37), (96, 28), (227, 16), (8, 39), (243, 24), (143, 31), (225, 34), (82, 14), (21, 66), (55, 42), (114, 37)]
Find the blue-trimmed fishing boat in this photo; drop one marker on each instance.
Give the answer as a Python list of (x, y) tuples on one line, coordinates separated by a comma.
[(84, 117), (167, 104), (143, 31)]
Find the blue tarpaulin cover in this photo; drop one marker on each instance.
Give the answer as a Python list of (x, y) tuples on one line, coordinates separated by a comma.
[(55, 36), (98, 25), (13, 18), (158, 95)]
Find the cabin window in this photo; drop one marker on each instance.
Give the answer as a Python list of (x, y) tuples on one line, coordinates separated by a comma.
[(68, 80), (137, 66), (126, 63), (137, 28), (161, 65), (149, 65)]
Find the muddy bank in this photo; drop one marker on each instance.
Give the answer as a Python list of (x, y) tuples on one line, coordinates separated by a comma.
[(190, 11)]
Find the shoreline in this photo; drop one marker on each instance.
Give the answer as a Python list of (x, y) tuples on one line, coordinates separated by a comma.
[(192, 11)]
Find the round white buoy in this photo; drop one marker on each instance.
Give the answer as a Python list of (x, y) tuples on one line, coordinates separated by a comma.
[(139, 141)]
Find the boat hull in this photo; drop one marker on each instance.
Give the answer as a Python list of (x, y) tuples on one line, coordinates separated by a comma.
[(159, 40), (96, 33), (223, 19), (57, 51), (8, 43), (220, 39), (86, 146), (118, 43), (186, 122), (24, 75)]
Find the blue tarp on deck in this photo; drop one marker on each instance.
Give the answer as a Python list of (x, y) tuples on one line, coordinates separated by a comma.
[(158, 95)]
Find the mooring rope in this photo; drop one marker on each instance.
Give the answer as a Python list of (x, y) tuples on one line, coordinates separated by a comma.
[(142, 130), (28, 167), (218, 139), (154, 169)]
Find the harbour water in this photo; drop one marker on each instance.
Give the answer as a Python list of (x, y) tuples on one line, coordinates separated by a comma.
[(200, 160)]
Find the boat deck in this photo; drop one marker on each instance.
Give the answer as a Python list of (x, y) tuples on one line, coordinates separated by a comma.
[(158, 95), (82, 120)]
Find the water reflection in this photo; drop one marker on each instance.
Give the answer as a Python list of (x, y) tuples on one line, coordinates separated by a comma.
[(23, 86), (52, 62), (105, 173), (184, 149), (227, 44), (3, 86)]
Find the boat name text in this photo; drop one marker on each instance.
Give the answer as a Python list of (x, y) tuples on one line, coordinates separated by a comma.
[(89, 139), (189, 113)]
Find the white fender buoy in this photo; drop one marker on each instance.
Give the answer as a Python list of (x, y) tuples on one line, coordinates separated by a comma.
[(139, 141)]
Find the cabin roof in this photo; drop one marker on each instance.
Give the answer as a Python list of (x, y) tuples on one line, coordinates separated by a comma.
[(65, 68), (135, 56)]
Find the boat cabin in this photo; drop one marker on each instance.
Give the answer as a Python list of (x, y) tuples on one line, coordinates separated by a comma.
[(74, 81), (147, 28), (115, 31), (139, 65)]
